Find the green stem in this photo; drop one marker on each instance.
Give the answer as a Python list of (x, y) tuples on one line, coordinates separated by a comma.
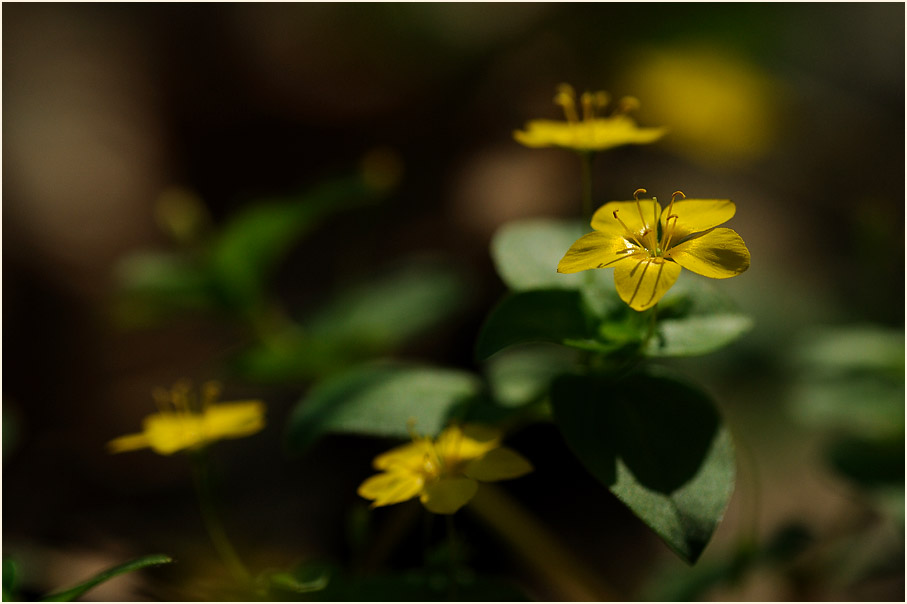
[(586, 161), (213, 524)]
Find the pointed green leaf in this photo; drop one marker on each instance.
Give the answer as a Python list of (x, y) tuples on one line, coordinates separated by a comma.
[(658, 444), (72, 593), (10, 579), (534, 316), (379, 400)]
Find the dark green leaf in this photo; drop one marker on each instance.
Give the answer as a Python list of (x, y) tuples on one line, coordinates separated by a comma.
[(393, 307), (534, 316), (694, 318), (72, 593), (379, 400), (657, 443), (154, 286), (248, 248)]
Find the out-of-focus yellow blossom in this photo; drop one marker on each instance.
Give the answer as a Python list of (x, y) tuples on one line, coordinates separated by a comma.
[(443, 472), (722, 109), (187, 420), (647, 246), (594, 132)]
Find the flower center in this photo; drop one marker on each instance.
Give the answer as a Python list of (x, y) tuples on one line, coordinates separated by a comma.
[(653, 239)]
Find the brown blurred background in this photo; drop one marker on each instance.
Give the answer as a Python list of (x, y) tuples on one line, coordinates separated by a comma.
[(795, 111)]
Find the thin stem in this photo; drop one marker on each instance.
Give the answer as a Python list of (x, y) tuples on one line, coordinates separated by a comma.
[(452, 551), (586, 161), (213, 524)]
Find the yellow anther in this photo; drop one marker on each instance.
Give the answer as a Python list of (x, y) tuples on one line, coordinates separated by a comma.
[(602, 99), (676, 194), (637, 192), (568, 104), (626, 105)]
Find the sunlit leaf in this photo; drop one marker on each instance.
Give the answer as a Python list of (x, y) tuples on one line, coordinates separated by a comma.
[(526, 253), (72, 593), (658, 444), (695, 318), (379, 400)]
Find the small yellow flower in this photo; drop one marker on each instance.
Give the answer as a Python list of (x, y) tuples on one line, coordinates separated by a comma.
[(592, 132), (186, 421), (648, 247), (443, 472)]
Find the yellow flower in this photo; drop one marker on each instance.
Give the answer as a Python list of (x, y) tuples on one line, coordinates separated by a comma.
[(443, 472), (648, 247), (186, 421), (592, 132)]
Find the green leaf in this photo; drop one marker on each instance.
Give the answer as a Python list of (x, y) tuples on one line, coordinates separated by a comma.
[(694, 318), (246, 251), (522, 374), (526, 253), (658, 444), (391, 308), (534, 316), (74, 592), (379, 400)]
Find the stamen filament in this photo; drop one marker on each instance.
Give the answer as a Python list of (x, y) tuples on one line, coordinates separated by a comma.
[(588, 106), (632, 235), (566, 98)]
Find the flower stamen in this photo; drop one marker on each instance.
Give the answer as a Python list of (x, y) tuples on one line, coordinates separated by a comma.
[(626, 105), (566, 98)]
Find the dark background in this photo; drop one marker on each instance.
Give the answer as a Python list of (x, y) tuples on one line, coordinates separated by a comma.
[(795, 111)]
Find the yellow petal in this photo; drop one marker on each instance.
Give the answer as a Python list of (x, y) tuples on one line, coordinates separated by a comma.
[(448, 495), (719, 254), (130, 442), (638, 219), (642, 282), (456, 444), (168, 433), (697, 215), (411, 456), (392, 487), (587, 135), (595, 250), (233, 420), (498, 464)]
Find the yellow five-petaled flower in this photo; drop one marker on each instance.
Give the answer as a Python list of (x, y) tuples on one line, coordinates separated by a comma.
[(647, 246), (186, 421), (592, 132), (443, 472)]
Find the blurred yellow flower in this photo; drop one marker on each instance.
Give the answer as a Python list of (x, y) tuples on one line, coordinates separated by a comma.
[(592, 132), (647, 247), (443, 472), (187, 421)]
